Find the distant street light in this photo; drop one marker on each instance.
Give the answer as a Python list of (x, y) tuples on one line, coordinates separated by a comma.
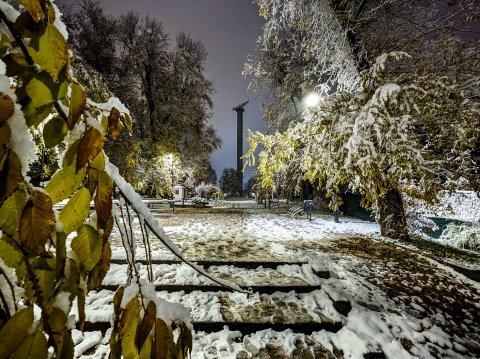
[(170, 166), (312, 99)]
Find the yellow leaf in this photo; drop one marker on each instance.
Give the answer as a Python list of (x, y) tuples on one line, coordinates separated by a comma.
[(75, 211), (36, 8), (57, 321), (146, 324), (98, 162), (96, 276), (35, 115), (9, 253), (131, 311), (50, 51), (6, 107), (117, 300), (37, 223), (10, 174), (33, 347), (88, 246), (164, 345), (54, 132), (89, 147), (64, 182), (128, 328), (128, 123), (70, 154), (146, 350), (78, 102), (38, 92), (11, 213), (103, 199), (115, 125), (14, 331)]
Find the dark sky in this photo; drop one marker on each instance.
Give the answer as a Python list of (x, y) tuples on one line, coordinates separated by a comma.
[(228, 30)]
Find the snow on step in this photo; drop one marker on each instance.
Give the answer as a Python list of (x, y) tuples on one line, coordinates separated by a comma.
[(221, 306), (182, 274)]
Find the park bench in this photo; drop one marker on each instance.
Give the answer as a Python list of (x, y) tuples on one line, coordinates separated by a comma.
[(296, 211)]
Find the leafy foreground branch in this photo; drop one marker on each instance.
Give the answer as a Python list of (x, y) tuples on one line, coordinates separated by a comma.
[(42, 270)]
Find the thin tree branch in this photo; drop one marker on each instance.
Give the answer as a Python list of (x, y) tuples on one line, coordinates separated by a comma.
[(424, 33), (17, 38), (11, 289)]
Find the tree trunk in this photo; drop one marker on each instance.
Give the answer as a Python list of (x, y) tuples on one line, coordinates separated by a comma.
[(393, 222)]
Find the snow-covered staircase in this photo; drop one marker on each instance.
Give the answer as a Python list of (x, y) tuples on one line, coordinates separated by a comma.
[(268, 304), (214, 309)]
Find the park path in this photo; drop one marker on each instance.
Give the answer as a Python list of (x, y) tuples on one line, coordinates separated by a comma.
[(340, 293)]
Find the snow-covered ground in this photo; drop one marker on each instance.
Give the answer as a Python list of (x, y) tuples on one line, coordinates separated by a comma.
[(402, 304), (217, 234)]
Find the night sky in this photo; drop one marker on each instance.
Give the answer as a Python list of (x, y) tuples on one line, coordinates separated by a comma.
[(228, 30)]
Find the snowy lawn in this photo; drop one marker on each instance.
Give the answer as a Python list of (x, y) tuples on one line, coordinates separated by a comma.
[(385, 299)]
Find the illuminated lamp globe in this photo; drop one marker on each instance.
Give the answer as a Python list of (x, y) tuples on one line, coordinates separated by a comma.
[(312, 99)]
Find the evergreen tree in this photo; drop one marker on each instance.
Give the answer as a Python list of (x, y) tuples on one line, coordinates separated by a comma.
[(229, 181)]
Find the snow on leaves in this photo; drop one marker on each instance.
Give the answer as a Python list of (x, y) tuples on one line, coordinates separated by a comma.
[(302, 46), (33, 236), (406, 132)]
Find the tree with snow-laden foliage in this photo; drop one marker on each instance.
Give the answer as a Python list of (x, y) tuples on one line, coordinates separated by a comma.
[(323, 44), (400, 134), (302, 45), (43, 272), (162, 83), (444, 47)]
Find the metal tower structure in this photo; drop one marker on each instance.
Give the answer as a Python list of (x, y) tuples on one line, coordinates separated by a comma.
[(240, 109)]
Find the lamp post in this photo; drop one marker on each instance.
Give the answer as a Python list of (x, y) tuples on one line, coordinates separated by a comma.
[(170, 166)]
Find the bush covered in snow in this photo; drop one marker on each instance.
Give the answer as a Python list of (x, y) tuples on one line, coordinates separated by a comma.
[(206, 190), (464, 236), (199, 200)]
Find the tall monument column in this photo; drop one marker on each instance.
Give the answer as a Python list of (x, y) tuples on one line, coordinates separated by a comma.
[(240, 109)]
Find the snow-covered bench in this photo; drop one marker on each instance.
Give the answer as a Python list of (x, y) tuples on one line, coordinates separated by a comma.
[(296, 211)]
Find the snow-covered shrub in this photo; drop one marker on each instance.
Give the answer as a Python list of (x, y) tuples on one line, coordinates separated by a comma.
[(419, 225), (206, 190), (199, 200), (464, 236)]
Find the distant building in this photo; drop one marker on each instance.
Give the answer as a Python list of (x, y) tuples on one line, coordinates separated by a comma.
[(178, 192)]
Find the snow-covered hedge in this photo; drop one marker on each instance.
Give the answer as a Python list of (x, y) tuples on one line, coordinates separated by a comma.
[(465, 236)]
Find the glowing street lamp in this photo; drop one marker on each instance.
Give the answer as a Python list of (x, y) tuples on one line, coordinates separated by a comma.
[(312, 99), (170, 166)]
